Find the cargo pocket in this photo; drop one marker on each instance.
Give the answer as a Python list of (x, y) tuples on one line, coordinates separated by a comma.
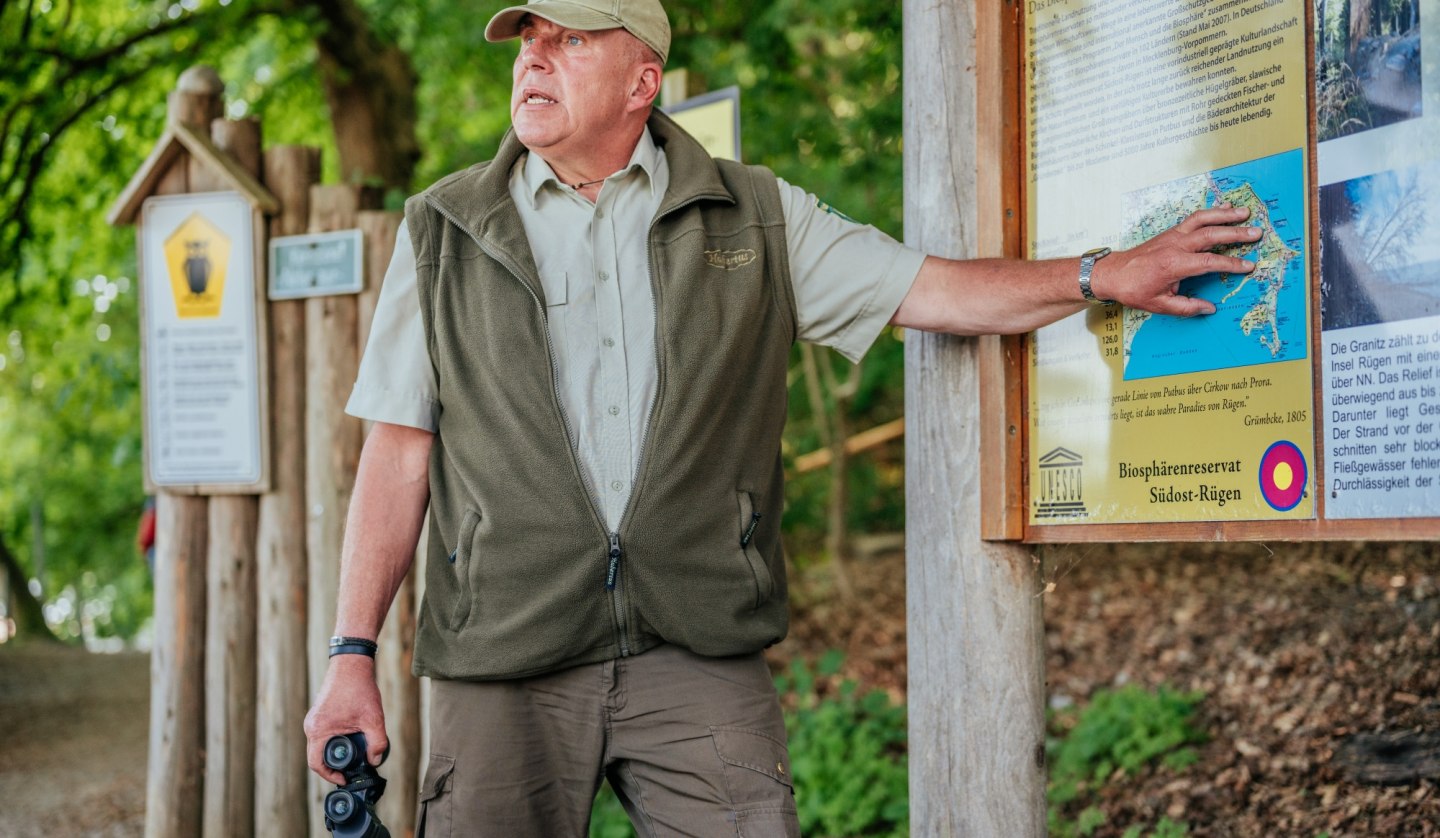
[(750, 523), (462, 560), (437, 800), (757, 777)]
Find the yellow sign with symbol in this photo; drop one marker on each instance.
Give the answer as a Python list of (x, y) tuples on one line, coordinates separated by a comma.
[(196, 256)]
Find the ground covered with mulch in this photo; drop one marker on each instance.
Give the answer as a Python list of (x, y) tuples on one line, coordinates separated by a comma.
[(1297, 649)]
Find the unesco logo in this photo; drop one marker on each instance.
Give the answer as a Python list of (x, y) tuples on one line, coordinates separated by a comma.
[(1060, 494)]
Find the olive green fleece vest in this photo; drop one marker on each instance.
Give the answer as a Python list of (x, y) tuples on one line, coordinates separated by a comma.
[(523, 576)]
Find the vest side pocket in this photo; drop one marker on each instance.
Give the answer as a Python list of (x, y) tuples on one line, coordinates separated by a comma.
[(750, 523), (462, 560)]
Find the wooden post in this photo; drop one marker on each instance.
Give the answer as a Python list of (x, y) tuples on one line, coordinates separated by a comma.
[(230, 628), (174, 783), (281, 670), (230, 668), (399, 690), (177, 670), (976, 687), (332, 449)]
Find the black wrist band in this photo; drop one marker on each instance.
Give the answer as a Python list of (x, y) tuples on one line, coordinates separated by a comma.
[(352, 646)]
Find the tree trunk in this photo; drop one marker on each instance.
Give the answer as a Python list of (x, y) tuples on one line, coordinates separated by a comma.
[(29, 614), (370, 88)]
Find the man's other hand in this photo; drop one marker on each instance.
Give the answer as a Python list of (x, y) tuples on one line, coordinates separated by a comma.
[(1148, 276), (348, 701)]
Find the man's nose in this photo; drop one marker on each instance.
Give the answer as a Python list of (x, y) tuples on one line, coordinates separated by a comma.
[(535, 54)]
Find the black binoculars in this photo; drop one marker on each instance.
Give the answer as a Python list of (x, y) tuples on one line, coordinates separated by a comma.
[(350, 809)]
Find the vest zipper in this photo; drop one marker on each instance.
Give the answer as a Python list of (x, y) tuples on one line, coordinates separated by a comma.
[(750, 530)]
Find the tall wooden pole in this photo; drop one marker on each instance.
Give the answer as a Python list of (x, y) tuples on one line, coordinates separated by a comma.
[(282, 679), (975, 635), (332, 449), (230, 627), (174, 778)]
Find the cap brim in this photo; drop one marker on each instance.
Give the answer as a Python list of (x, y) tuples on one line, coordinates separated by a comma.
[(506, 23)]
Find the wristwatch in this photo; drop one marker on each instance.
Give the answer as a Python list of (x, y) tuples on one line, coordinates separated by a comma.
[(1087, 264)]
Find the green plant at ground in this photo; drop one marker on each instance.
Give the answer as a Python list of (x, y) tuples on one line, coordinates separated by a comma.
[(847, 755), (1117, 734)]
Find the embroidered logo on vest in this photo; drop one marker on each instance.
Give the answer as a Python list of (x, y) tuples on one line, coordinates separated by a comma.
[(729, 260)]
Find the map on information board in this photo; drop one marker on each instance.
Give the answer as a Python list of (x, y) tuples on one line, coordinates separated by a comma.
[(1260, 316)]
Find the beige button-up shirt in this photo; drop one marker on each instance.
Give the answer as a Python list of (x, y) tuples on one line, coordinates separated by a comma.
[(848, 280)]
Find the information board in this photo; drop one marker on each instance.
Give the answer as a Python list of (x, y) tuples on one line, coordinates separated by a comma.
[(201, 362), (1140, 112), (713, 119), (1378, 125)]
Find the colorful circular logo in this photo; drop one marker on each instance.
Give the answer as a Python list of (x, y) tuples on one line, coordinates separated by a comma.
[(1283, 475)]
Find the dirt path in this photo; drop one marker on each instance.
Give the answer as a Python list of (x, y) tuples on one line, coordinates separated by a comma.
[(73, 729)]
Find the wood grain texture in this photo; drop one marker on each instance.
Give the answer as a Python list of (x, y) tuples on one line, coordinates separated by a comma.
[(976, 684), (333, 439), (282, 679), (230, 669), (175, 775)]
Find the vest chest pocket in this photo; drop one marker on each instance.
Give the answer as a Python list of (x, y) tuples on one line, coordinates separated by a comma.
[(460, 565), (750, 523)]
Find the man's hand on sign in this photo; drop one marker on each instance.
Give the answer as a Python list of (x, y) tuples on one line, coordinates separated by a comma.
[(1148, 275), (348, 701), (1010, 296)]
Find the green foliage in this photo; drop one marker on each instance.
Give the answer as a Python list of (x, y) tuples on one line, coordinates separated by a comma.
[(84, 101), (1117, 734), (847, 755), (1166, 828)]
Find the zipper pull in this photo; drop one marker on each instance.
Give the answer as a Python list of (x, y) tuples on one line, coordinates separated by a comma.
[(750, 530), (614, 572)]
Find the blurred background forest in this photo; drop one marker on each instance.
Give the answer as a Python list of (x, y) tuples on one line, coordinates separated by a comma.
[(396, 94)]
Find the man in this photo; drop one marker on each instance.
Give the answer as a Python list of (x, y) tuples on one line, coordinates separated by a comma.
[(579, 363)]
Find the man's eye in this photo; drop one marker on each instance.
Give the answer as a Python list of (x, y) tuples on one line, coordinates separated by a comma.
[(573, 40)]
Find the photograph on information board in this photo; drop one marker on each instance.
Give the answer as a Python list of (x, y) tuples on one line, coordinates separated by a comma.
[(1139, 114), (1379, 174)]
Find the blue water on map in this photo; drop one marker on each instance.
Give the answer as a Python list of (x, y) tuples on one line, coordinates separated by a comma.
[(1165, 345)]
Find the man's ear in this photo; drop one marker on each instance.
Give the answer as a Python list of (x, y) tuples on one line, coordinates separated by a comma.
[(645, 87)]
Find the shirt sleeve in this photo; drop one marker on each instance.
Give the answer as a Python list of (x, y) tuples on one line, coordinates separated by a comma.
[(396, 382), (849, 278)]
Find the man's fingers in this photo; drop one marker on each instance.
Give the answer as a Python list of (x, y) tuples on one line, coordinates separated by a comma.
[(1182, 306), (378, 744), (1213, 216), (1208, 238), (314, 756)]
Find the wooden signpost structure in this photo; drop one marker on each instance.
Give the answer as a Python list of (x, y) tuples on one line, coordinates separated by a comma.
[(246, 573), (980, 181)]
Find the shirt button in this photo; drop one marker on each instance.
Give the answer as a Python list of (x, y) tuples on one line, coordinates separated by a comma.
[(609, 342), (599, 213), (614, 411), (617, 485), (604, 276)]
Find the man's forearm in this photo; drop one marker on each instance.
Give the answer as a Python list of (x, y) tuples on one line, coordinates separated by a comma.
[(1010, 296), (387, 510)]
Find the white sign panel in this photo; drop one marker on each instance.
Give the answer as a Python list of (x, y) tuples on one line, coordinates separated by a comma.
[(201, 360), (316, 265)]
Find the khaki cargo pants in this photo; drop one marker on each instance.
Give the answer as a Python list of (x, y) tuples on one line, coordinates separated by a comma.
[(693, 746)]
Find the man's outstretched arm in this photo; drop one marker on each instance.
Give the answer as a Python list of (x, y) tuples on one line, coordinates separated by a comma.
[(1006, 296), (387, 510)]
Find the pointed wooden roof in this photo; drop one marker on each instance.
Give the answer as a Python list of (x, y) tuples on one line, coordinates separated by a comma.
[(178, 138)]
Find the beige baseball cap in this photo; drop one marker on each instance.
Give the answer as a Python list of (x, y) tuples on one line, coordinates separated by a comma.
[(645, 19)]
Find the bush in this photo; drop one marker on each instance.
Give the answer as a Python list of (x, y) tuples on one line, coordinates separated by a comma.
[(1117, 734)]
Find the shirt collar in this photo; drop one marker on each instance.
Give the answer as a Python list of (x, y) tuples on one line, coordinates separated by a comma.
[(537, 173)]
